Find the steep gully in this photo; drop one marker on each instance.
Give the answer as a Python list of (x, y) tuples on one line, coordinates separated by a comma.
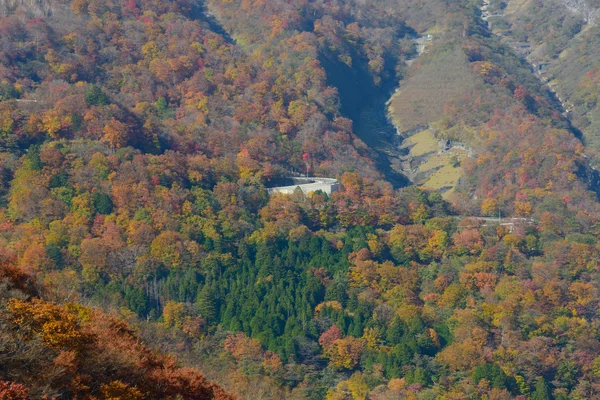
[(587, 172), (524, 50), (366, 104), (200, 11)]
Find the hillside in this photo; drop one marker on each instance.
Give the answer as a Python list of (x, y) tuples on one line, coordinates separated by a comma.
[(56, 351), (138, 140), (564, 52)]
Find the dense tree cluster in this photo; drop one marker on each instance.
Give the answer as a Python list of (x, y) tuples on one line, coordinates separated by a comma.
[(138, 75)]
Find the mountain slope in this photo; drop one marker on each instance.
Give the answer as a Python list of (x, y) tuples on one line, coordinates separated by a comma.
[(71, 351), (563, 51), (138, 140)]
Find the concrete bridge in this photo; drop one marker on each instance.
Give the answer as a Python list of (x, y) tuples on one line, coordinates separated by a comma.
[(307, 185)]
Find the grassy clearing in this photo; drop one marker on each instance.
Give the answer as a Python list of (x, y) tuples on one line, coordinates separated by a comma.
[(423, 143), (435, 30), (435, 79), (445, 175), (514, 6), (438, 169)]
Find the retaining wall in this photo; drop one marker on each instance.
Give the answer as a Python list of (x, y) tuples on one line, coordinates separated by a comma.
[(308, 185)]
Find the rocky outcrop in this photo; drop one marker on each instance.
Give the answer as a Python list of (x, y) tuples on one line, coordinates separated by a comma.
[(589, 12), (32, 8)]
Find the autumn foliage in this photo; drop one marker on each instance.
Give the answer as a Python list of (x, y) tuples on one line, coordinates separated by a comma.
[(76, 350), (138, 140)]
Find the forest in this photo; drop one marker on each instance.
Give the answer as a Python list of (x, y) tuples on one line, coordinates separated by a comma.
[(142, 256)]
